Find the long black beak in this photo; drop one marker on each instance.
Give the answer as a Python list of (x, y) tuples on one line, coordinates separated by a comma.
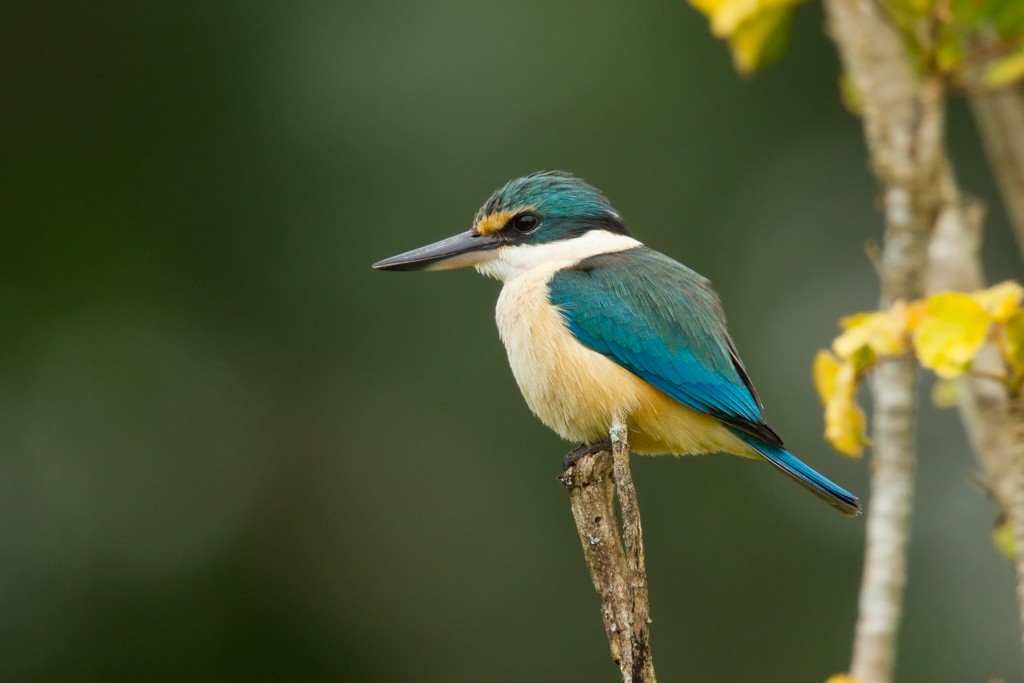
[(465, 249)]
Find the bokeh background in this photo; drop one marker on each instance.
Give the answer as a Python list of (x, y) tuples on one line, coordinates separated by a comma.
[(229, 450)]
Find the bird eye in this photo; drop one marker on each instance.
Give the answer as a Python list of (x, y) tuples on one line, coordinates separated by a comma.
[(525, 223)]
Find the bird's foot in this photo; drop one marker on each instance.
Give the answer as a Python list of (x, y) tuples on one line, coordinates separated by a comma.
[(583, 450)]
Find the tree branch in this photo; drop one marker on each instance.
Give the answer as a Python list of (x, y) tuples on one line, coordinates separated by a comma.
[(1010, 489), (618, 574), (1000, 118), (880, 605), (994, 421), (903, 122)]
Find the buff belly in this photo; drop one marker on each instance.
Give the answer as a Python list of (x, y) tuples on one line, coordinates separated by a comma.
[(576, 391)]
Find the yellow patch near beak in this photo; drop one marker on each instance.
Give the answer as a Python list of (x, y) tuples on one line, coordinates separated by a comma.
[(493, 222)]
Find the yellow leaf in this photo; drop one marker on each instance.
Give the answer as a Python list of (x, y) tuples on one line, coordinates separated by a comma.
[(1003, 538), (915, 313), (709, 7), (837, 386), (1002, 300), (854, 338), (760, 39), (725, 15), (825, 370), (728, 15), (884, 332), (1004, 70), (950, 335), (842, 678), (1012, 342), (856, 320), (844, 425), (756, 29)]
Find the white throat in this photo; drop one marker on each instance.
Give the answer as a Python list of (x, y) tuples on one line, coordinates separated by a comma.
[(513, 261)]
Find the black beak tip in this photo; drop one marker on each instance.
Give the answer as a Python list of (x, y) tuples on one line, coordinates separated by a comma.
[(394, 264)]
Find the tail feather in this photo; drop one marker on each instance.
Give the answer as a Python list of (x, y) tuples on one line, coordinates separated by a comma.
[(837, 497)]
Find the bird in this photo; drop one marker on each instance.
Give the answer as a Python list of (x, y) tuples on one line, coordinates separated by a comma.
[(596, 324)]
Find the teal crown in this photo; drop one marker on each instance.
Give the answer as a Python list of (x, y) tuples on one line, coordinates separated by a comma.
[(566, 206)]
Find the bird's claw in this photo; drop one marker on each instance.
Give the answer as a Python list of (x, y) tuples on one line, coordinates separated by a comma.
[(583, 450)]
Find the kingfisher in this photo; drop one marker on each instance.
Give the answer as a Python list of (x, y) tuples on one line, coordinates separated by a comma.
[(596, 324)]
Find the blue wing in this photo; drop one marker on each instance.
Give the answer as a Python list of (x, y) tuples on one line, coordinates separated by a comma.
[(663, 322)]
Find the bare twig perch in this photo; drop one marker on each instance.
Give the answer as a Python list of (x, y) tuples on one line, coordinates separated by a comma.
[(618, 574)]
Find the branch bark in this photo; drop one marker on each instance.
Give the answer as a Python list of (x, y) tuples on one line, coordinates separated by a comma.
[(998, 426), (994, 420), (880, 605), (1009, 489), (903, 120), (615, 563), (1000, 118)]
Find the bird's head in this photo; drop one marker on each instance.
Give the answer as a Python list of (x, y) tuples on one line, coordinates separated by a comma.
[(545, 209)]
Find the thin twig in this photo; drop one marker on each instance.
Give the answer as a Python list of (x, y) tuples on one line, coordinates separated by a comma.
[(618, 575), (903, 121)]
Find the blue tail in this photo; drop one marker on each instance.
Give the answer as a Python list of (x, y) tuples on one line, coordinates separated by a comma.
[(839, 498)]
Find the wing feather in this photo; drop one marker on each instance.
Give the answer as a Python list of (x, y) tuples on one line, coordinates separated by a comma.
[(663, 322)]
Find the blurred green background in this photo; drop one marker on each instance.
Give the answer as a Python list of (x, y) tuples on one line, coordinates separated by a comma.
[(230, 450)]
